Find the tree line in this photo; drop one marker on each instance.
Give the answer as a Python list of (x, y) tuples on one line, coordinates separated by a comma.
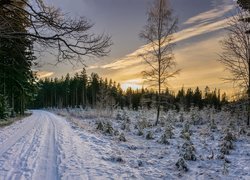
[(83, 91)]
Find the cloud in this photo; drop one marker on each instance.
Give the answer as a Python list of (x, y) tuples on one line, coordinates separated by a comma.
[(133, 83), (200, 24), (44, 74), (197, 59), (133, 59), (210, 15)]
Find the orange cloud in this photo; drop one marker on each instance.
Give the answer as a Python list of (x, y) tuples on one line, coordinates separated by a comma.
[(44, 74)]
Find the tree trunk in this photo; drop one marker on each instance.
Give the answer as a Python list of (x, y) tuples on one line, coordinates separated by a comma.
[(159, 63), (248, 109), (248, 91), (158, 115)]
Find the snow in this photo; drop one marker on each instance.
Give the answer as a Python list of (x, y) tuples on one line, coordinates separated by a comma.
[(68, 146)]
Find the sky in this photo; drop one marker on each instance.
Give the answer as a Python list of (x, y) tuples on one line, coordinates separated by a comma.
[(201, 27)]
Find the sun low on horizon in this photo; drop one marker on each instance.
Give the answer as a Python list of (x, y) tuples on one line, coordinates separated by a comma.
[(201, 27)]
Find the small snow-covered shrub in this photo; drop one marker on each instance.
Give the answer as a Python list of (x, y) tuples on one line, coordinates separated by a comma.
[(109, 129), (125, 117), (100, 126), (149, 135), (118, 116), (232, 124), (212, 124), (196, 118), (105, 127), (185, 136), (181, 164), (169, 131), (125, 126), (181, 117), (140, 163), (186, 133), (242, 130), (162, 120), (114, 159), (229, 136), (143, 123), (188, 151), (225, 170), (186, 128), (140, 132), (158, 130), (116, 133), (227, 142), (163, 139), (171, 117), (122, 137)]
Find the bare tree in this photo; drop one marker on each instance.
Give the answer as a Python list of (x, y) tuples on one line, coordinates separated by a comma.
[(236, 52), (158, 33), (68, 38)]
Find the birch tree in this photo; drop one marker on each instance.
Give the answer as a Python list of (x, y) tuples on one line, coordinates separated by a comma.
[(158, 34)]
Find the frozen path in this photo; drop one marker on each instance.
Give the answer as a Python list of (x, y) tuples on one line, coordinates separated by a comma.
[(45, 146)]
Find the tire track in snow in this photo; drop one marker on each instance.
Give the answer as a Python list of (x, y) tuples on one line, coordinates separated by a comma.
[(31, 153), (18, 160), (17, 135), (47, 162), (24, 163)]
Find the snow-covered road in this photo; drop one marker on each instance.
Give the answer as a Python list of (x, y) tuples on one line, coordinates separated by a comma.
[(45, 146)]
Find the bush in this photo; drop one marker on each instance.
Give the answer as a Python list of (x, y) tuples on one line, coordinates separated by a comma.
[(100, 126), (227, 142), (186, 133), (196, 118), (109, 129), (181, 118), (163, 139), (118, 116), (143, 123), (188, 151), (149, 135), (122, 138), (181, 164), (169, 131), (105, 127), (140, 132)]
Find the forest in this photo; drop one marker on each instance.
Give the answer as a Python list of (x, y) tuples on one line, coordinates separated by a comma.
[(92, 91)]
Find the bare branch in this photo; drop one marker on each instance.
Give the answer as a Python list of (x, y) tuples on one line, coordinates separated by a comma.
[(50, 28), (236, 54)]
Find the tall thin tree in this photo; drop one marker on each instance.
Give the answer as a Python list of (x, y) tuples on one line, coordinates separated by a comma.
[(158, 33), (236, 54)]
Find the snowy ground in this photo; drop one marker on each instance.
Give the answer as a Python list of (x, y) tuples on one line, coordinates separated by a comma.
[(69, 146)]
